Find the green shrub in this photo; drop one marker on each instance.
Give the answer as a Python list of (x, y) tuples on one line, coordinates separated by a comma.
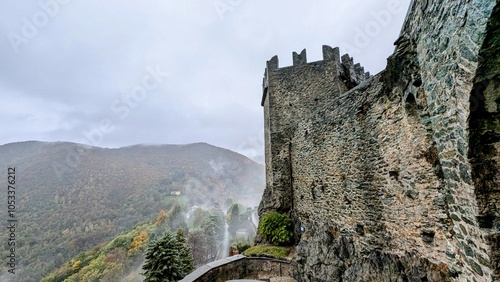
[(241, 247), (276, 228)]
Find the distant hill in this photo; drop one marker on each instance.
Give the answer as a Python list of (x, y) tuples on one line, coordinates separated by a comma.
[(72, 197)]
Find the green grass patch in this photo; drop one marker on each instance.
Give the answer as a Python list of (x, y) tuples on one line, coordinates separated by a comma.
[(268, 251)]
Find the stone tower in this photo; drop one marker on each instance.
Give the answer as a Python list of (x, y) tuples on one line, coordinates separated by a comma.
[(293, 93)]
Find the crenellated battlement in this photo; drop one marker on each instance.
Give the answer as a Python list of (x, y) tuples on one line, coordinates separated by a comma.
[(299, 59), (350, 73)]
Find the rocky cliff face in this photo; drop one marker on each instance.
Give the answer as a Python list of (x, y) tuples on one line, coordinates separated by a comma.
[(397, 178)]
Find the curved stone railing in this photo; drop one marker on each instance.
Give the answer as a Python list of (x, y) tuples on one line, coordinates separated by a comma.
[(240, 267)]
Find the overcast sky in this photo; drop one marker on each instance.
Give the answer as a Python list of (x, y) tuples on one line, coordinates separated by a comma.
[(116, 73)]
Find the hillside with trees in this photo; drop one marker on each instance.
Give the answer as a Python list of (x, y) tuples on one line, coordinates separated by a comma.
[(73, 199), (151, 250)]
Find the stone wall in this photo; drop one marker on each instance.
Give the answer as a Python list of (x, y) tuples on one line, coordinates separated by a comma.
[(371, 194), (484, 146), (382, 177), (240, 267)]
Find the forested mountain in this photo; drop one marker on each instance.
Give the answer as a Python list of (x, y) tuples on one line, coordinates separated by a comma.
[(71, 198)]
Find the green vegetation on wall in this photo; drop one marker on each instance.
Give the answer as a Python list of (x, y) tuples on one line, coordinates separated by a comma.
[(276, 228)]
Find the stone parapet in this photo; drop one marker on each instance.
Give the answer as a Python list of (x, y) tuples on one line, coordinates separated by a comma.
[(240, 267)]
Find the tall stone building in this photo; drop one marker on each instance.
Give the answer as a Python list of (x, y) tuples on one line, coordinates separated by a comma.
[(393, 177)]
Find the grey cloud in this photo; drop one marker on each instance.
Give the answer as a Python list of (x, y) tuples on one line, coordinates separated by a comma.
[(67, 77)]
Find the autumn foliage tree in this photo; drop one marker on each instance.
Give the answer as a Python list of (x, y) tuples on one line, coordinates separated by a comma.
[(161, 217), (138, 242)]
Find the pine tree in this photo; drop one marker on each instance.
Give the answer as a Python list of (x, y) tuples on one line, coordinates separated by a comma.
[(197, 240), (163, 262), (213, 227), (234, 219), (185, 253)]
